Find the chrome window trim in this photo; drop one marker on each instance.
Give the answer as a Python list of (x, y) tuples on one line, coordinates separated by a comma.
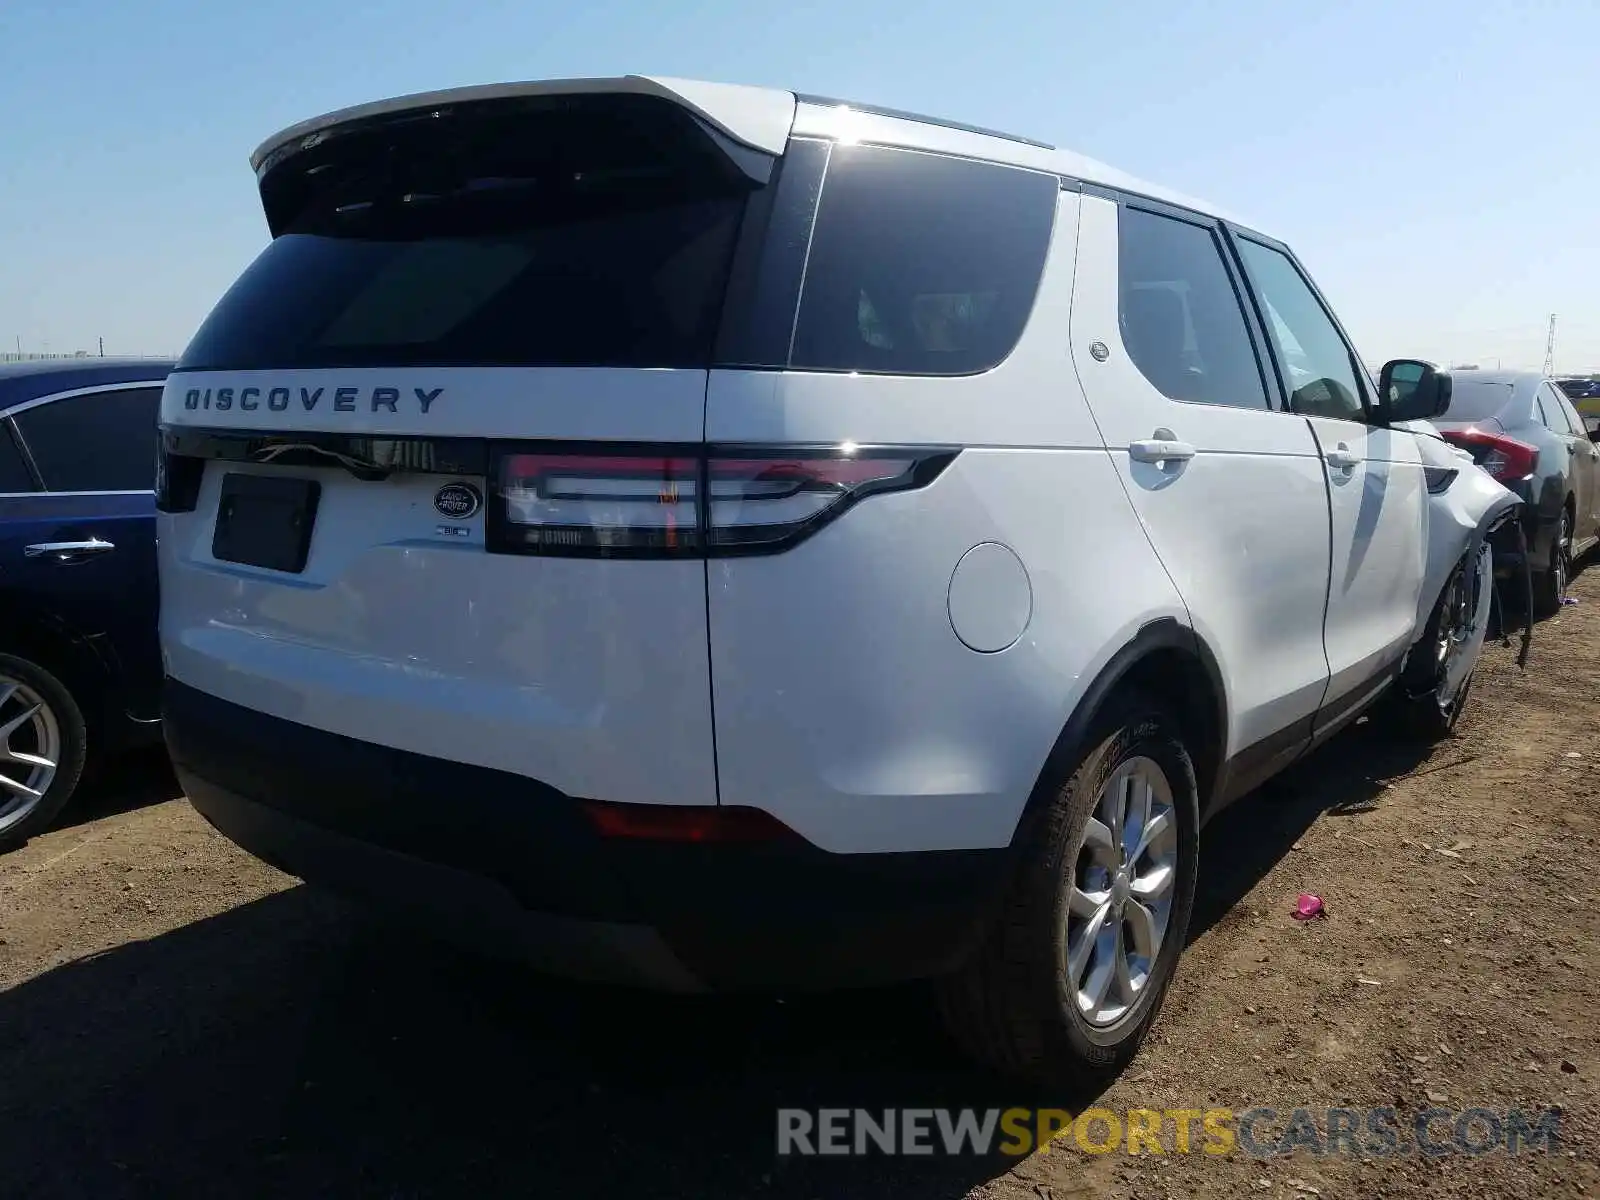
[(38, 401), (36, 495)]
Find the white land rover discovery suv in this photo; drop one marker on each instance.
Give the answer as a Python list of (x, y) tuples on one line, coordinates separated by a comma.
[(709, 537)]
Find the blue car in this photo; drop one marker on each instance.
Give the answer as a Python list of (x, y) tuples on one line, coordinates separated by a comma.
[(80, 664)]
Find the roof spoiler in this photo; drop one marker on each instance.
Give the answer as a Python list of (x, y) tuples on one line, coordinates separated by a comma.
[(756, 118)]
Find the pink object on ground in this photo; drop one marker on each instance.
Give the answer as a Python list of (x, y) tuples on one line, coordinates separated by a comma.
[(1309, 906)]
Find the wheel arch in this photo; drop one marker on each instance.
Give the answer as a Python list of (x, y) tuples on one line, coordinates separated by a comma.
[(1566, 506), (1173, 663), (44, 639)]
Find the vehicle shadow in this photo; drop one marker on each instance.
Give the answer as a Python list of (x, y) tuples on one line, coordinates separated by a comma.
[(287, 1048), (131, 780), (1511, 614), (1245, 840)]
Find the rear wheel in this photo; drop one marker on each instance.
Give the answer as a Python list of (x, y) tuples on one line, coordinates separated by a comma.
[(1550, 586), (1075, 969), (42, 749)]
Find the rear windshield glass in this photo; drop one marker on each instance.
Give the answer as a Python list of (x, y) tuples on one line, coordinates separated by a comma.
[(596, 231), (1476, 399)]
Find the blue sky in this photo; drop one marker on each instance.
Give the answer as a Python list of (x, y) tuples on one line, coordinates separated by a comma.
[(1437, 168)]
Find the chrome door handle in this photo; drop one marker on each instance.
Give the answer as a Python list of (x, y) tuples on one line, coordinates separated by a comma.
[(68, 551), (1160, 449), (1343, 458)]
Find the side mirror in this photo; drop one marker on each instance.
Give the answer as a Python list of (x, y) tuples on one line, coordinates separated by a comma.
[(1412, 390)]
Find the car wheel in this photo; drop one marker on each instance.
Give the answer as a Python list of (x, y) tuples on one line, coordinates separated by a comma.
[(42, 749), (1433, 688), (1550, 586), (1072, 974)]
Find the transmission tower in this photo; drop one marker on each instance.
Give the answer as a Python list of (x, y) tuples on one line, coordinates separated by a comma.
[(1550, 348)]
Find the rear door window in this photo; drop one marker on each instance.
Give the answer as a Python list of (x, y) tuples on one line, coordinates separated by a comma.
[(98, 442), (593, 232), (921, 264), (1569, 415), (1180, 315)]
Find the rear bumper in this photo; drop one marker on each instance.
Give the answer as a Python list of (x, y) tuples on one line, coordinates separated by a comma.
[(1507, 552), (509, 865), (1537, 529)]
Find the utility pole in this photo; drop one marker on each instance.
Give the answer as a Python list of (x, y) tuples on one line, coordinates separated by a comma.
[(102, 347), (1550, 348)]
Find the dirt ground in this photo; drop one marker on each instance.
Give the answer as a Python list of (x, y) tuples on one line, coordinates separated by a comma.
[(177, 1019)]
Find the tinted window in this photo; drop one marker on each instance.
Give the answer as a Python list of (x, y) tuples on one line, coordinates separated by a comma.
[(14, 473), (1476, 399), (596, 232), (101, 442), (921, 265), (1573, 422), (1319, 370), (1544, 413), (1180, 315)]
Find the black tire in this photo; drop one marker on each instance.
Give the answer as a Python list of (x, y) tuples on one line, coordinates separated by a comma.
[(1418, 712), (1550, 585), (1011, 1007), (1427, 721), (37, 816)]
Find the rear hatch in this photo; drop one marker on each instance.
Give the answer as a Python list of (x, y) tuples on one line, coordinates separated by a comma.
[(431, 469)]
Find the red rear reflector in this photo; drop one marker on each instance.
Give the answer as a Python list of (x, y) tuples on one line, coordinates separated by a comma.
[(673, 823), (1505, 458), (676, 503)]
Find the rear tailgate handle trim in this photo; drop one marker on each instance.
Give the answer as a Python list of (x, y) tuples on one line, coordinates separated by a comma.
[(67, 551), (363, 455)]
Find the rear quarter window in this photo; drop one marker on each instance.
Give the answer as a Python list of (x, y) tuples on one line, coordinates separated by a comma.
[(921, 264)]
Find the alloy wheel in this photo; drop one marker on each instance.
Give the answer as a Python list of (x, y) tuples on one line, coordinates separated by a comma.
[(1562, 556), (30, 751), (1124, 879)]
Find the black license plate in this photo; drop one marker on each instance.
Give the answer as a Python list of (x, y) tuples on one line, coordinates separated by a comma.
[(265, 521)]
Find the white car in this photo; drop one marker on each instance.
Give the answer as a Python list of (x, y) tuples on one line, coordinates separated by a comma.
[(707, 537)]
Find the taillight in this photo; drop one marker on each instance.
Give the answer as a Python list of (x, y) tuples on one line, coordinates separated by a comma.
[(599, 504), (1505, 458), (767, 501), (178, 479), (689, 502)]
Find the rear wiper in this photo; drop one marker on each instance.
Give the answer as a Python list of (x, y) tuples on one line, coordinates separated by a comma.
[(295, 454)]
